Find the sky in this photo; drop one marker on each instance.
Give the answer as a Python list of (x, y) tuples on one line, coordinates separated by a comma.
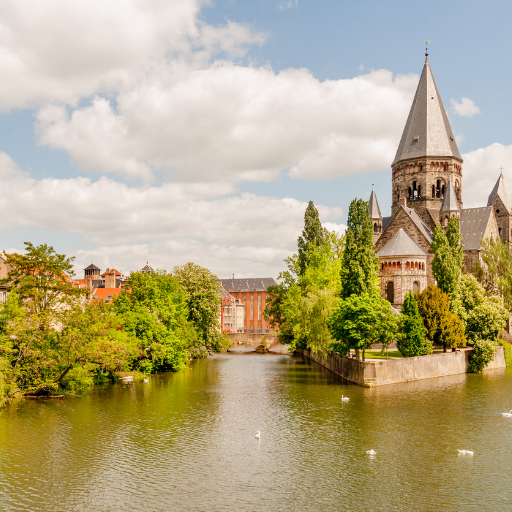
[(185, 130)]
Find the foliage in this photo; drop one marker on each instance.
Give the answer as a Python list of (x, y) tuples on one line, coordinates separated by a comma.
[(359, 321), (154, 312), (313, 236), (496, 272), (359, 265), (202, 295), (413, 341), (448, 257), (483, 353), (484, 316), (443, 327), (507, 351)]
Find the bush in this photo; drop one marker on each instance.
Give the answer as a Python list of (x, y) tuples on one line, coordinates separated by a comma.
[(413, 341), (507, 349), (77, 379), (483, 353)]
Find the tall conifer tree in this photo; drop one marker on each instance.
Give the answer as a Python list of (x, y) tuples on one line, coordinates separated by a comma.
[(313, 235), (359, 266)]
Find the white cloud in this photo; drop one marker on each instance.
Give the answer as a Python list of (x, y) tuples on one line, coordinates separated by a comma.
[(287, 4), (466, 107), (169, 225), (62, 51), (481, 170), (234, 122)]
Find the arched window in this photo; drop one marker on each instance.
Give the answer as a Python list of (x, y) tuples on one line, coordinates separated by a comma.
[(414, 190), (438, 189), (433, 191), (394, 265), (390, 292), (398, 265), (415, 287), (499, 231), (419, 191), (442, 190), (446, 221), (410, 193), (375, 228), (407, 266)]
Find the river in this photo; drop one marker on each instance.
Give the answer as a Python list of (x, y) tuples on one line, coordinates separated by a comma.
[(185, 442)]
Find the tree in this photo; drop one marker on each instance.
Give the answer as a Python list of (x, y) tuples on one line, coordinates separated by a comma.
[(443, 327), (448, 258), (359, 265), (154, 311), (313, 236), (359, 321), (484, 316), (495, 273), (202, 295), (413, 341)]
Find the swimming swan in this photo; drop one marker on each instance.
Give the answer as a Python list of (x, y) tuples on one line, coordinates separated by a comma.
[(465, 452), (345, 398), (145, 380), (507, 414), (371, 452), (257, 436)]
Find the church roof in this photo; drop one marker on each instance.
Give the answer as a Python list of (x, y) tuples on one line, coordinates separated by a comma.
[(420, 224), (502, 191), (473, 225), (450, 202), (401, 244), (92, 266), (147, 268), (427, 131), (374, 206)]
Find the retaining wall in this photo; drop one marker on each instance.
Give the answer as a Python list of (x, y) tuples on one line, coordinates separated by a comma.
[(254, 339), (392, 371)]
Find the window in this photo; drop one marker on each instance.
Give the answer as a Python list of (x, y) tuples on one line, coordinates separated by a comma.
[(390, 292), (433, 191), (415, 287), (259, 307), (499, 231), (252, 307)]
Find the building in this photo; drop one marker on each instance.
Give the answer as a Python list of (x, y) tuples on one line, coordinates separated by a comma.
[(232, 316), (252, 293), (427, 189), (5, 268)]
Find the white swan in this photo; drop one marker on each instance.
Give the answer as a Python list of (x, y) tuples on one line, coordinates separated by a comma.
[(257, 436), (371, 452), (145, 380), (345, 398), (465, 452), (507, 414)]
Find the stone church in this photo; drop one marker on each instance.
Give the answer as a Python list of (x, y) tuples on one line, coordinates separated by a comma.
[(427, 191)]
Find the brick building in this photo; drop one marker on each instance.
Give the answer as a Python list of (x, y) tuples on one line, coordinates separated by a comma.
[(252, 293), (427, 191)]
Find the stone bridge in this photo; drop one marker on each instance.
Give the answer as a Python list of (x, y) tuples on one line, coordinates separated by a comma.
[(241, 341)]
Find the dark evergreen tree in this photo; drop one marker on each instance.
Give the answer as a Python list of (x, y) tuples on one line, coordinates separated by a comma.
[(448, 258), (359, 266), (443, 327), (313, 235), (413, 341)]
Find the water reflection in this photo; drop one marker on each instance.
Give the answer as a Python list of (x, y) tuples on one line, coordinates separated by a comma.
[(186, 442)]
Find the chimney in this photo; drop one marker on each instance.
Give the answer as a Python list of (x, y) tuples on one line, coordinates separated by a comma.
[(402, 201), (110, 278)]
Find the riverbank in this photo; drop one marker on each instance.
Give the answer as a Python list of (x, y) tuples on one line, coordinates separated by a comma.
[(396, 370)]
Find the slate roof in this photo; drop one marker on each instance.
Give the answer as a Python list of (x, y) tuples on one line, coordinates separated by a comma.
[(147, 268), (92, 266), (401, 244), (501, 190), (374, 206), (255, 284), (385, 222), (427, 131), (473, 224), (421, 225), (450, 202)]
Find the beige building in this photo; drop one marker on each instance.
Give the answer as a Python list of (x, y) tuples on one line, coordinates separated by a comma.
[(426, 191)]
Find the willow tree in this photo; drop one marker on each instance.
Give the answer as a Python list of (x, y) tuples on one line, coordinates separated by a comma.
[(359, 265)]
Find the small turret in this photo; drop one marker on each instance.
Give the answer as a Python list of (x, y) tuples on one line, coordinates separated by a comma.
[(375, 215), (450, 206)]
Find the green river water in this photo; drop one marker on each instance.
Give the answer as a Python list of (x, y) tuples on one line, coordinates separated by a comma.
[(185, 442)]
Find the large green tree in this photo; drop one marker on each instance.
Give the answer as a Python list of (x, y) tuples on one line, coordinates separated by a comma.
[(313, 236), (412, 341), (448, 258), (359, 265), (359, 321)]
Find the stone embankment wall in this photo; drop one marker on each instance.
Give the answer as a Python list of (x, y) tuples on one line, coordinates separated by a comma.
[(253, 339), (392, 371)]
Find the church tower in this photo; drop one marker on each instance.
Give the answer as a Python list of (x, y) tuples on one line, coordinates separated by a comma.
[(375, 215), (427, 155)]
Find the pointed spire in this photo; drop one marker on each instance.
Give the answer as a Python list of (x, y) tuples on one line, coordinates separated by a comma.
[(374, 206), (502, 191), (427, 131), (450, 203)]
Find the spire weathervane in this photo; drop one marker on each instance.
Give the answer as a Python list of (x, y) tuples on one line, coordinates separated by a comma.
[(426, 48)]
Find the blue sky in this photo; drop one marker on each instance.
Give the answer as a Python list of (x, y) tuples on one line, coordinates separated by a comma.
[(193, 131)]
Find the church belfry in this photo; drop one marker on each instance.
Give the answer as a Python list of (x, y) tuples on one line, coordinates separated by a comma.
[(427, 155)]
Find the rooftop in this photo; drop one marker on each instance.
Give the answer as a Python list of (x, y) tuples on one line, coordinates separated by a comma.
[(401, 244), (253, 284)]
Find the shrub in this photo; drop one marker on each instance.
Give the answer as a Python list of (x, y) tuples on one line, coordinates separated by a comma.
[(413, 341), (507, 349), (77, 379), (483, 353)]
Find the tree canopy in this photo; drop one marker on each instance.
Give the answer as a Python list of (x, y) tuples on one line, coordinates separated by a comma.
[(313, 236)]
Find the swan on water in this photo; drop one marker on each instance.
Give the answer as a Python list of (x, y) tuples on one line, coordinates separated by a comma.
[(345, 398), (465, 452), (371, 452), (507, 414), (257, 436), (145, 380)]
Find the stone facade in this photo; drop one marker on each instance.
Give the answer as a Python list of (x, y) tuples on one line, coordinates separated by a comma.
[(398, 275)]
